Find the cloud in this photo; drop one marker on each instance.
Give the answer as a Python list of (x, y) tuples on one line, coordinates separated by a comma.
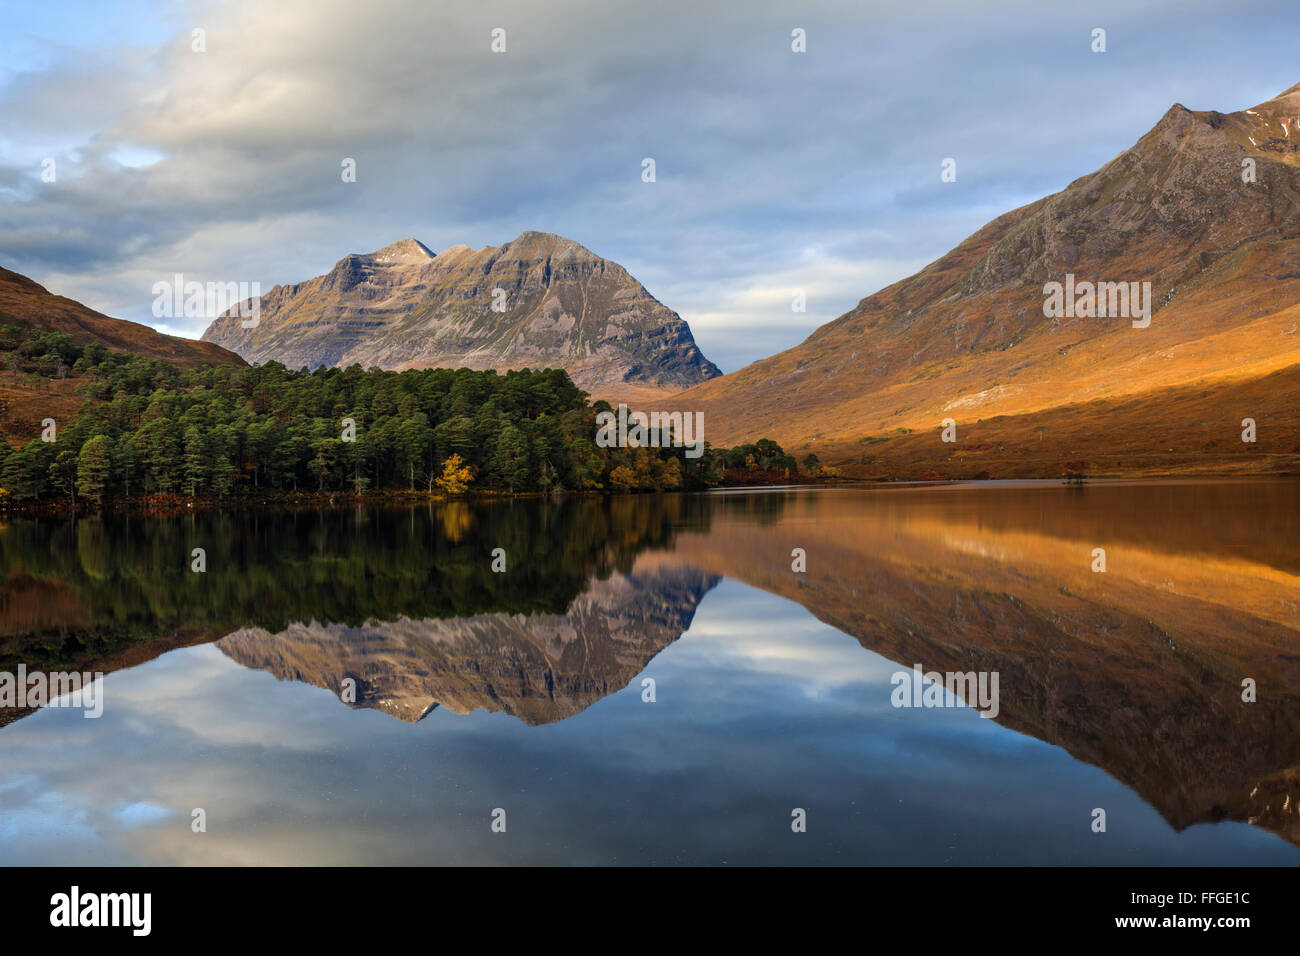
[(225, 165)]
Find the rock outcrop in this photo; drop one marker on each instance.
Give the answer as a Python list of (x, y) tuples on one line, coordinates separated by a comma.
[(539, 301)]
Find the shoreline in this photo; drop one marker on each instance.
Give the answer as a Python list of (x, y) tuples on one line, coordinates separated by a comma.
[(164, 506)]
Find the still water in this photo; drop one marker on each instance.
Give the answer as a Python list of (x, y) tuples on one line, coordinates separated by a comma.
[(361, 687)]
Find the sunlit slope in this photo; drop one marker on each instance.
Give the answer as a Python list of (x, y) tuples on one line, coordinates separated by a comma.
[(967, 338)]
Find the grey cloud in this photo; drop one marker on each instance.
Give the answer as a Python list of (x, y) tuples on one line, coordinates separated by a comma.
[(762, 155)]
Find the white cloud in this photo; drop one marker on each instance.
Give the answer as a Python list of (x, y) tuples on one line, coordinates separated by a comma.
[(225, 164)]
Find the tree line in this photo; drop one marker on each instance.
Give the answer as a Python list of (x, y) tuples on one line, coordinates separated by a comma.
[(146, 427), (122, 581)]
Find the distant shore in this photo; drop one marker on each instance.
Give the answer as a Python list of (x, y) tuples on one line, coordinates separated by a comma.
[(172, 505)]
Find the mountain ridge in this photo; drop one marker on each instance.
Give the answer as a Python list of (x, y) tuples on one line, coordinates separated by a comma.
[(968, 338), (540, 300), (26, 400), (28, 304)]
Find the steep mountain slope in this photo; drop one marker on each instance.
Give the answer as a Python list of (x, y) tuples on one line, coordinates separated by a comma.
[(27, 400), (559, 305), (967, 337), (28, 305)]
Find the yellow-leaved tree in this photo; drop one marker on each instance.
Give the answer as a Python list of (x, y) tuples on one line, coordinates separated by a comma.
[(456, 475)]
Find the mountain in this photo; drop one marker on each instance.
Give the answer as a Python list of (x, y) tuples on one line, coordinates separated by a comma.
[(25, 304), (27, 400), (967, 337), (539, 668), (405, 307)]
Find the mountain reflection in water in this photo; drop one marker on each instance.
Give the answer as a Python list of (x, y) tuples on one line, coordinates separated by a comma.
[(1137, 671)]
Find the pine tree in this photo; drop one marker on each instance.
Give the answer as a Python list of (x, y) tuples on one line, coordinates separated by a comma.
[(196, 465), (510, 462), (63, 474), (94, 468)]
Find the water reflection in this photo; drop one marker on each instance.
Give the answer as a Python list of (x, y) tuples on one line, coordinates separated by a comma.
[(539, 667), (1137, 671)]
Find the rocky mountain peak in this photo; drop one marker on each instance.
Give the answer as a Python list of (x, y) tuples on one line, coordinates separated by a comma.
[(539, 300), (404, 251)]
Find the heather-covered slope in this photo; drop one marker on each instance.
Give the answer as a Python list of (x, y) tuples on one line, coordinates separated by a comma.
[(27, 400), (28, 305), (967, 338)]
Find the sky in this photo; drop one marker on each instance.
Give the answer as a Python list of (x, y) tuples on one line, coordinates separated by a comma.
[(775, 171), (759, 708)]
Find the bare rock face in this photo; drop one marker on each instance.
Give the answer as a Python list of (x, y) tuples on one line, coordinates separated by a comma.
[(539, 301), (539, 668)]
